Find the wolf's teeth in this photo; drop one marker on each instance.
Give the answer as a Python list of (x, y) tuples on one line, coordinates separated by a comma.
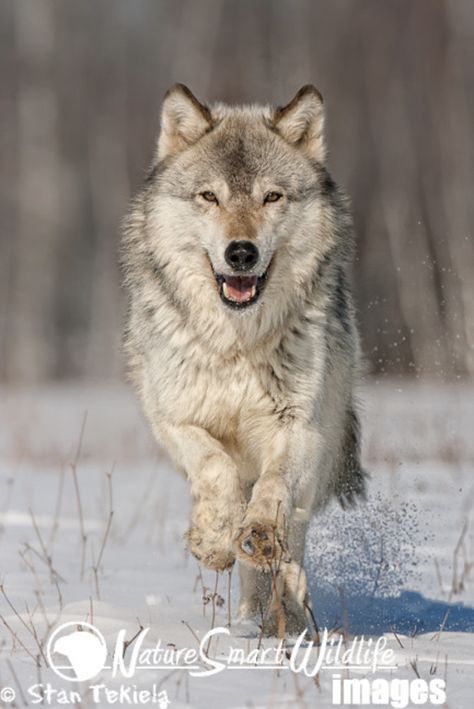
[(225, 290), (253, 291)]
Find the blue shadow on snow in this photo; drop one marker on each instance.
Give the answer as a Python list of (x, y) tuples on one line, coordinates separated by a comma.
[(407, 613)]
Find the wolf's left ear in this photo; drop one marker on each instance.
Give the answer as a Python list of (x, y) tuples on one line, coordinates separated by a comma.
[(183, 121), (301, 122)]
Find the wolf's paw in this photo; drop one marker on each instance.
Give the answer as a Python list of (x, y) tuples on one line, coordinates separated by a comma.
[(214, 553), (261, 544)]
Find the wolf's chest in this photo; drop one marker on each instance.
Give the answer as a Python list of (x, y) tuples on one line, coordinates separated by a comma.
[(213, 392)]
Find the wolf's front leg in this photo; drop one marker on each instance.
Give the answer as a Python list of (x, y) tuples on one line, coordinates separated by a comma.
[(287, 480), (217, 503), (272, 536)]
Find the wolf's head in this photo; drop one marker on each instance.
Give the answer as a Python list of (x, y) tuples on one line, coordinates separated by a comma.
[(239, 207)]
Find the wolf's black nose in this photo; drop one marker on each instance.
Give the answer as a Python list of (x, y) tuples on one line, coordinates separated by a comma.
[(241, 255)]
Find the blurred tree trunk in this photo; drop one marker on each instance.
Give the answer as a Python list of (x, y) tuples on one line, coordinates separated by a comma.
[(8, 179), (30, 355)]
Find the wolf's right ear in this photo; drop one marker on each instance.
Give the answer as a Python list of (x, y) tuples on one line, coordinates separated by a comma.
[(183, 121), (301, 122)]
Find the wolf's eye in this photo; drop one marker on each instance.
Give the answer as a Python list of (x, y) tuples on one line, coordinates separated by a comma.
[(209, 196), (272, 197)]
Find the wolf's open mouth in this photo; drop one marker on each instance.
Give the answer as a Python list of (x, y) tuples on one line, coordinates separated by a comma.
[(240, 291)]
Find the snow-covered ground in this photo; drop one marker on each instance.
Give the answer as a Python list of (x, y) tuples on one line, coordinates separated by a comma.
[(398, 567)]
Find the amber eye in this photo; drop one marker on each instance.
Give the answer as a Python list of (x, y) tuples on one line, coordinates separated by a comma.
[(272, 197), (209, 196)]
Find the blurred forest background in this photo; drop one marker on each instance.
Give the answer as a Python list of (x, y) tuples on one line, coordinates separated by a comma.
[(81, 87)]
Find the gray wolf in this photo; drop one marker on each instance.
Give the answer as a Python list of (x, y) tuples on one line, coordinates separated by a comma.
[(241, 336)]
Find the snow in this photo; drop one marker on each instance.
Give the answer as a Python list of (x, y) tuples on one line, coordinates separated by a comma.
[(397, 567)]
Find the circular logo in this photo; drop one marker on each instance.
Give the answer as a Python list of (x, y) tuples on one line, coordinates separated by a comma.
[(82, 646)]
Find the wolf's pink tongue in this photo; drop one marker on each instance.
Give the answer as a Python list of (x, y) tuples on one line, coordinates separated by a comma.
[(240, 288)]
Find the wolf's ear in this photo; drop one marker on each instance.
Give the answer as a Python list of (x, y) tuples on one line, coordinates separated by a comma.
[(183, 121), (301, 122)]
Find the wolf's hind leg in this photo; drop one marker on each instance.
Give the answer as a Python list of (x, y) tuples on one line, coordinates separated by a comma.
[(282, 561), (296, 594), (255, 593)]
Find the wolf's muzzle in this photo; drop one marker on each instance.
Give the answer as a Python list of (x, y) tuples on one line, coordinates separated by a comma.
[(241, 255)]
